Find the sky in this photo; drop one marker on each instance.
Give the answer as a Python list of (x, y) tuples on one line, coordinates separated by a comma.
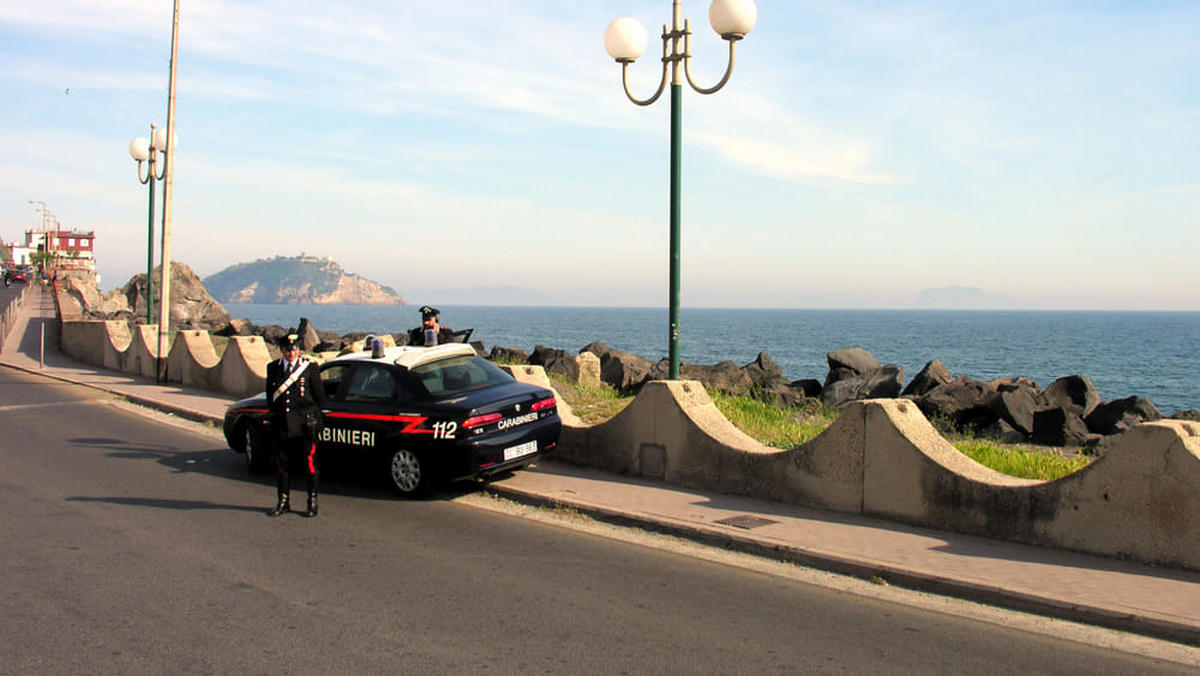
[(1039, 155)]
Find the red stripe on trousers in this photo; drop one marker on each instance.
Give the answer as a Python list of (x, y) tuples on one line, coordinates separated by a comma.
[(313, 451)]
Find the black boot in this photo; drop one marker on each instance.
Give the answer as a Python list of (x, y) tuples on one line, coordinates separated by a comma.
[(281, 507), (312, 505), (281, 488)]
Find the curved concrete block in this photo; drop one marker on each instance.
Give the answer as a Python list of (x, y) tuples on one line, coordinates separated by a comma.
[(1141, 499), (142, 356), (242, 371), (192, 360)]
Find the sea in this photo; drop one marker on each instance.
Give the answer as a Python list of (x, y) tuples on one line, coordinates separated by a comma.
[(1149, 354)]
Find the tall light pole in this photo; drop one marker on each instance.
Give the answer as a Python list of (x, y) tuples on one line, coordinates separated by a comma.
[(625, 40), (149, 151), (168, 192)]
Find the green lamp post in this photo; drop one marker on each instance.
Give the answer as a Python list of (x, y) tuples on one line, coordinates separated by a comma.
[(625, 40)]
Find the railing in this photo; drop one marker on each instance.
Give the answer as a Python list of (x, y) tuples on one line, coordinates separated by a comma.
[(8, 317)]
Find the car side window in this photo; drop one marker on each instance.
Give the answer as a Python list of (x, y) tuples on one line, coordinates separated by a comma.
[(371, 383), (331, 380)]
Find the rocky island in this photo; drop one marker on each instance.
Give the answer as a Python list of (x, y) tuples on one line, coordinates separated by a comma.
[(300, 280)]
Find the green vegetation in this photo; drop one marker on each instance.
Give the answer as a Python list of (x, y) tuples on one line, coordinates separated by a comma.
[(790, 427), (1021, 461), (777, 426), (592, 403)]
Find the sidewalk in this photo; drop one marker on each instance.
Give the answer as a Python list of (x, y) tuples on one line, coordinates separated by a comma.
[(1094, 590)]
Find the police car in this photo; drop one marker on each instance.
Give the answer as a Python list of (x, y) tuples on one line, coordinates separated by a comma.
[(418, 415)]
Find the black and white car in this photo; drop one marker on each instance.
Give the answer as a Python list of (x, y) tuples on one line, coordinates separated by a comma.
[(419, 415)]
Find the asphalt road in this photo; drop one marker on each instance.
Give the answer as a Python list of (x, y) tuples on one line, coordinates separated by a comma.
[(134, 546)]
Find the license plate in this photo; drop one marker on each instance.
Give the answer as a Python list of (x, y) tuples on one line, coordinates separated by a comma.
[(522, 450)]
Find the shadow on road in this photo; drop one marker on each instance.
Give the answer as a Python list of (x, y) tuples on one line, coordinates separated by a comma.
[(169, 504), (346, 479)]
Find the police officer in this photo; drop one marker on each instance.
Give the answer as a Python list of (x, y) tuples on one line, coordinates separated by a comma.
[(295, 399), (420, 336)]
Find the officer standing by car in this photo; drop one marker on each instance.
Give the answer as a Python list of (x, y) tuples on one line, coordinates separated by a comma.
[(430, 332), (295, 399)]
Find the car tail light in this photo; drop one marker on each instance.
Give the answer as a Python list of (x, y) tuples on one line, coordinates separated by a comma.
[(544, 404), (481, 420)]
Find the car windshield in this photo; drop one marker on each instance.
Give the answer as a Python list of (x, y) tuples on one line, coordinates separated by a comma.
[(448, 377)]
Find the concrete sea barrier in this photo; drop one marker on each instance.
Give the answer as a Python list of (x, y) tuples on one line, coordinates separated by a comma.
[(881, 457)]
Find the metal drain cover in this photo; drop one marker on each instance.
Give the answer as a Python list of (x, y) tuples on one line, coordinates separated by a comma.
[(745, 521)]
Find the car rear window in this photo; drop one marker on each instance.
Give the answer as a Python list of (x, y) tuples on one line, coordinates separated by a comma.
[(448, 377)]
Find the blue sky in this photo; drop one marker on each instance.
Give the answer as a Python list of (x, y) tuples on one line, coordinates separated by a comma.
[(1047, 153)]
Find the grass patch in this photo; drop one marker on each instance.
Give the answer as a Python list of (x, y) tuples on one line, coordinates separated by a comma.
[(592, 403), (775, 426), (1021, 461)]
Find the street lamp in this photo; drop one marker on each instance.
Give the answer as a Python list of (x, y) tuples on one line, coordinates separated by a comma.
[(625, 40), (154, 153), (46, 216)]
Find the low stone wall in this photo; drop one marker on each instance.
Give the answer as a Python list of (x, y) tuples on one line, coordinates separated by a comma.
[(192, 360), (881, 457)]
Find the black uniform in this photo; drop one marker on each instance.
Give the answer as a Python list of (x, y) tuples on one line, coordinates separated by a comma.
[(417, 336), (295, 424)]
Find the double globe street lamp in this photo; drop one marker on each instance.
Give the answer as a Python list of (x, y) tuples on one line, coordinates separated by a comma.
[(625, 40), (153, 152)]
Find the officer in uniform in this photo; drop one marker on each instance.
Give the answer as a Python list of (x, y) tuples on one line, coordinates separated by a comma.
[(429, 321), (295, 399)]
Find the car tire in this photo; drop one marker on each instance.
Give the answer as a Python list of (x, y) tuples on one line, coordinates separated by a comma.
[(254, 448), (406, 473)]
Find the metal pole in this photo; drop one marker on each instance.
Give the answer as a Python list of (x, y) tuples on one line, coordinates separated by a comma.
[(168, 192), (42, 347), (676, 155), (150, 248), (676, 119)]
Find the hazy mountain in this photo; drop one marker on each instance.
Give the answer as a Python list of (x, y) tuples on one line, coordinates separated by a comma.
[(303, 280)]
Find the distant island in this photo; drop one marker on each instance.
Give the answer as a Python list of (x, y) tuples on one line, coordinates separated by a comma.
[(299, 280)]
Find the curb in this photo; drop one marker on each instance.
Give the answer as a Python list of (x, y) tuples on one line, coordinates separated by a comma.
[(868, 570)]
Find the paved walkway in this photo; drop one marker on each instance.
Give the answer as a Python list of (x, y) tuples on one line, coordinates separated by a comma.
[(1091, 589)]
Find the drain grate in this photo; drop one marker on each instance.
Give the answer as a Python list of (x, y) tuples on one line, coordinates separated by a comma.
[(745, 521)]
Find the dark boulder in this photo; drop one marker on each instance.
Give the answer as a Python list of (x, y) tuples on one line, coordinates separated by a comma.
[(1190, 414), (271, 333), (1114, 417), (723, 376), (509, 355), (1059, 426), (811, 387), (621, 370), (884, 382), (556, 361), (849, 362), (309, 338), (931, 376), (238, 327), (1074, 393), (964, 402), (1015, 402), (764, 372)]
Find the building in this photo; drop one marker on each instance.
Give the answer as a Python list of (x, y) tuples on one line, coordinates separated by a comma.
[(72, 249)]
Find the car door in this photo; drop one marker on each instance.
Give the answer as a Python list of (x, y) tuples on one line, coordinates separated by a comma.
[(360, 415)]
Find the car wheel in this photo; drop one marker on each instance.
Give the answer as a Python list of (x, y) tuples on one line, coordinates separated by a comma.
[(407, 473), (255, 449)]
